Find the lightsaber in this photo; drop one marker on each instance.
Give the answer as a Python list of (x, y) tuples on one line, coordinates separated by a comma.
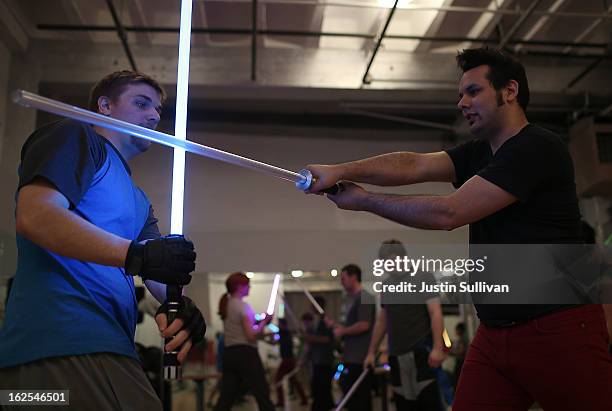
[(272, 301), (172, 368), (310, 297), (302, 180), (447, 340), (352, 390), (291, 314)]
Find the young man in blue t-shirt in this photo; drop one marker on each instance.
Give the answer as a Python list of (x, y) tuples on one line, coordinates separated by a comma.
[(83, 231)]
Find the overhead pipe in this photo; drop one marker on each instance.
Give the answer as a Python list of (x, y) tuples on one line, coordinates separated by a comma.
[(121, 33), (296, 33), (366, 75), (254, 41)]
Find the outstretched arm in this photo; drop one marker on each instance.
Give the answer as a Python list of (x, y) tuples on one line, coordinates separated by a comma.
[(475, 200), (393, 169)]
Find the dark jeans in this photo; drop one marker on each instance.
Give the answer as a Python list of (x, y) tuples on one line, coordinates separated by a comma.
[(321, 384), (242, 367), (361, 399)]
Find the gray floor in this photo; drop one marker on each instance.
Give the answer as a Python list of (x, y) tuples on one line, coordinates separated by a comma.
[(184, 399)]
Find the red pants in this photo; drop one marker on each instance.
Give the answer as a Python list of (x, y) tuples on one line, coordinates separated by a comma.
[(560, 360), (286, 366)]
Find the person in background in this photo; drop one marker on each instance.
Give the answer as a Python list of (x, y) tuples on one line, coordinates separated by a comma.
[(458, 350), (241, 363), (414, 326), (320, 340), (287, 365), (356, 331)]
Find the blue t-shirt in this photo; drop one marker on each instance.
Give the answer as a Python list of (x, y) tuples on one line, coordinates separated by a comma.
[(59, 306)]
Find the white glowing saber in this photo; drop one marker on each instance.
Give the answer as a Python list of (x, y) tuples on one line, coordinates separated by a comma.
[(180, 119), (290, 313), (302, 180), (447, 340), (310, 297), (351, 391), (171, 370), (272, 302)]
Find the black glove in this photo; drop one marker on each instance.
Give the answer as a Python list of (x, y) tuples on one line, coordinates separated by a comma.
[(167, 260), (192, 318)]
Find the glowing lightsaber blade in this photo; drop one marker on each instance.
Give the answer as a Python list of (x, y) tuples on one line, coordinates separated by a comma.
[(180, 118), (447, 340), (302, 180), (272, 301), (291, 314), (310, 297), (172, 367), (351, 391)]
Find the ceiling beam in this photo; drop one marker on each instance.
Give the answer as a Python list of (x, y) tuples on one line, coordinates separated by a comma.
[(594, 63), (254, 40), (508, 36), (588, 30), (138, 15), (402, 119), (541, 22), (289, 33), (459, 9), (12, 32), (73, 12)]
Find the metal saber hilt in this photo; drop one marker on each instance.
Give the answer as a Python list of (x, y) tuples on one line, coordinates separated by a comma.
[(172, 367), (352, 390), (302, 180)]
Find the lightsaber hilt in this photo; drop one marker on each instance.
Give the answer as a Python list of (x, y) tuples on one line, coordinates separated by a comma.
[(172, 367), (309, 180)]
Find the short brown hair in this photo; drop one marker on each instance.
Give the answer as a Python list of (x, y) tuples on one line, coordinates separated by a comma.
[(112, 85)]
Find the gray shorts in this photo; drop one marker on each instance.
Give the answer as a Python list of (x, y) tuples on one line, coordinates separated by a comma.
[(100, 381)]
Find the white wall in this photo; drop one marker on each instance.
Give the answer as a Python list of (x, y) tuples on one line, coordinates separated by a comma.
[(241, 220), (244, 220)]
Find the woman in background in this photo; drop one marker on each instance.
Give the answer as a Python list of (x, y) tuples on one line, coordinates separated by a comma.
[(242, 366)]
